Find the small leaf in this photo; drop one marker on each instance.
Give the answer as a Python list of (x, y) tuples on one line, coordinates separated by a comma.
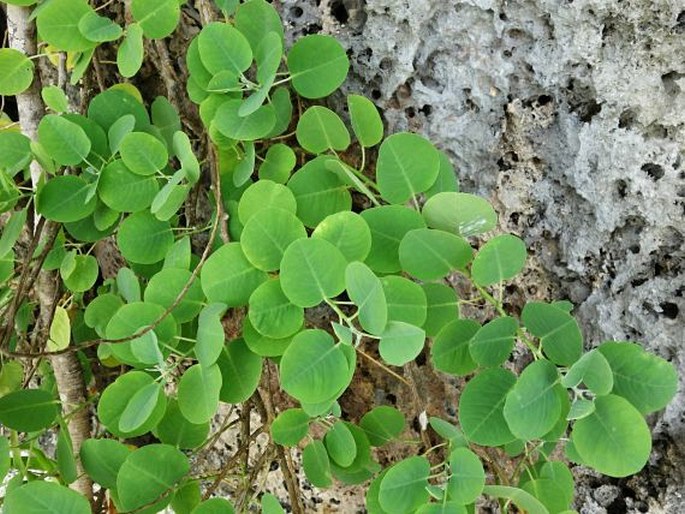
[(318, 65), (290, 427), (272, 314), (462, 214), (60, 330), (494, 341), (403, 489), (98, 29), (244, 128), (442, 307), (130, 54), (270, 504), (210, 334), (278, 162), (83, 275), (382, 424), (340, 444), (317, 467), (214, 505), (580, 409), (267, 236), (500, 259), (55, 99), (241, 370), (320, 129), (255, 19), (176, 430), (559, 332), (16, 72), (366, 291), (28, 410), (223, 47), (141, 407), (198, 393), (65, 141), (166, 285), (57, 22), (102, 458), (467, 476), (143, 239), (184, 152), (228, 277), (143, 154), (366, 122), (401, 343), (406, 300), (593, 370), (12, 230), (348, 232), (519, 497), (157, 18), (450, 351)]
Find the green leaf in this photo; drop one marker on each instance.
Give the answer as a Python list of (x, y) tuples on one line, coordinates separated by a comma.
[(107, 107), (278, 162), (446, 507), (494, 341), (64, 199), (532, 407), (363, 466), (179, 254), (270, 504), (65, 141), (406, 300), (268, 58), (60, 330), (187, 497), (311, 271), (550, 493), (500, 259), (401, 343), (366, 291), (28, 410), (98, 29), (431, 254), (272, 314), (450, 351), (262, 345), (366, 122), (519, 497), (214, 506), (318, 65), (119, 130), (157, 18), (283, 107), (290, 427), (320, 129), (319, 192), (166, 285), (84, 274), (228, 277), (593, 370), (181, 146), (467, 476), (102, 458), (141, 407), (143, 239), (223, 47), (403, 489), (53, 97), (40, 497), (5, 457), (481, 407), (58, 21), (580, 409), (340, 444), (245, 167), (176, 430), (447, 178), (448, 431), (407, 165), (262, 195), (16, 72), (149, 473), (645, 380), (241, 370), (100, 311), (198, 393), (317, 467), (382, 424), (128, 285), (348, 232), (462, 214), (614, 439), (255, 19), (442, 307), (11, 377), (313, 368), (559, 332), (245, 128), (143, 154), (267, 235), (210, 334), (131, 52), (559, 473), (15, 152)]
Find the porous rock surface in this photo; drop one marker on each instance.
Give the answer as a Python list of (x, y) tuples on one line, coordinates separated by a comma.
[(570, 116)]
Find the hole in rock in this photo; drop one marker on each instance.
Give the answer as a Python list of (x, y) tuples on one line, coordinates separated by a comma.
[(669, 309), (621, 188), (296, 12), (655, 171), (339, 11)]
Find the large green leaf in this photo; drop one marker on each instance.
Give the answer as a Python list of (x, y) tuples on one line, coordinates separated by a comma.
[(462, 214), (42, 497), (401, 343), (481, 407), (404, 487), (318, 65), (594, 371), (210, 336), (255, 19), (143, 154), (157, 18), (442, 307), (559, 332), (241, 370), (407, 165), (143, 239), (141, 406), (278, 162), (265, 194), (16, 72), (102, 458), (165, 286), (320, 129), (348, 232), (406, 300), (450, 350), (290, 427), (214, 506), (493, 343), (262, 345), (28, 410), (65, 199), (467, 476), (431, 254), (366, 122), (382, 424), (614, 439), (317, 466), (366, 291), (198, 393), (176, 430), (15, 151), (272, 314), (267, 235), (65, 141), (447, 179), (124, 191), (224, 48), (501, 258), (57, 22), (109, 106), (256, 125), (228, 277)]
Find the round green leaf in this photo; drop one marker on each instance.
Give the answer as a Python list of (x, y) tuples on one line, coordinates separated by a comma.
[(148, 473), (481, 407), (65, 199), (522, 499), (532, 407), (143, 239), (340, 444), (108, 107), (493, 343), (278, 162), (559, 473), (462, 214), (407, 165), (559, 332), (317, 467), (40, 497), (16, 72), (165, 286), (404, 487), (157, 18), (262, 345), (265, 194), (348, 232), (447, 178), (272, 314), (65, 141), (141, 406), (406, 300), (210, 336), (593, 370), (318, 65), (100, 311), (313, 368), (98, 29), (467, 476), (28, 410), (580, 409), (382, 424), (431, 254), (614, 439), (131, 51), (57, 22), (442, 307), (143, 154), (645, 380), (320, 129), (283, 107), (290, 427), (241, 371), (257, 18), (83, 275), (224, 48), (549, 493), (228, 277), (366, 122), (102, 458), (366, 291), (450, 351), (363, 466), (176, 430), (15, 152), (244, 128), (267, 235), (198, 393), (500, 259), (270, 504), (388, 225), (401, 343), (311, 271), (125, 191)]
